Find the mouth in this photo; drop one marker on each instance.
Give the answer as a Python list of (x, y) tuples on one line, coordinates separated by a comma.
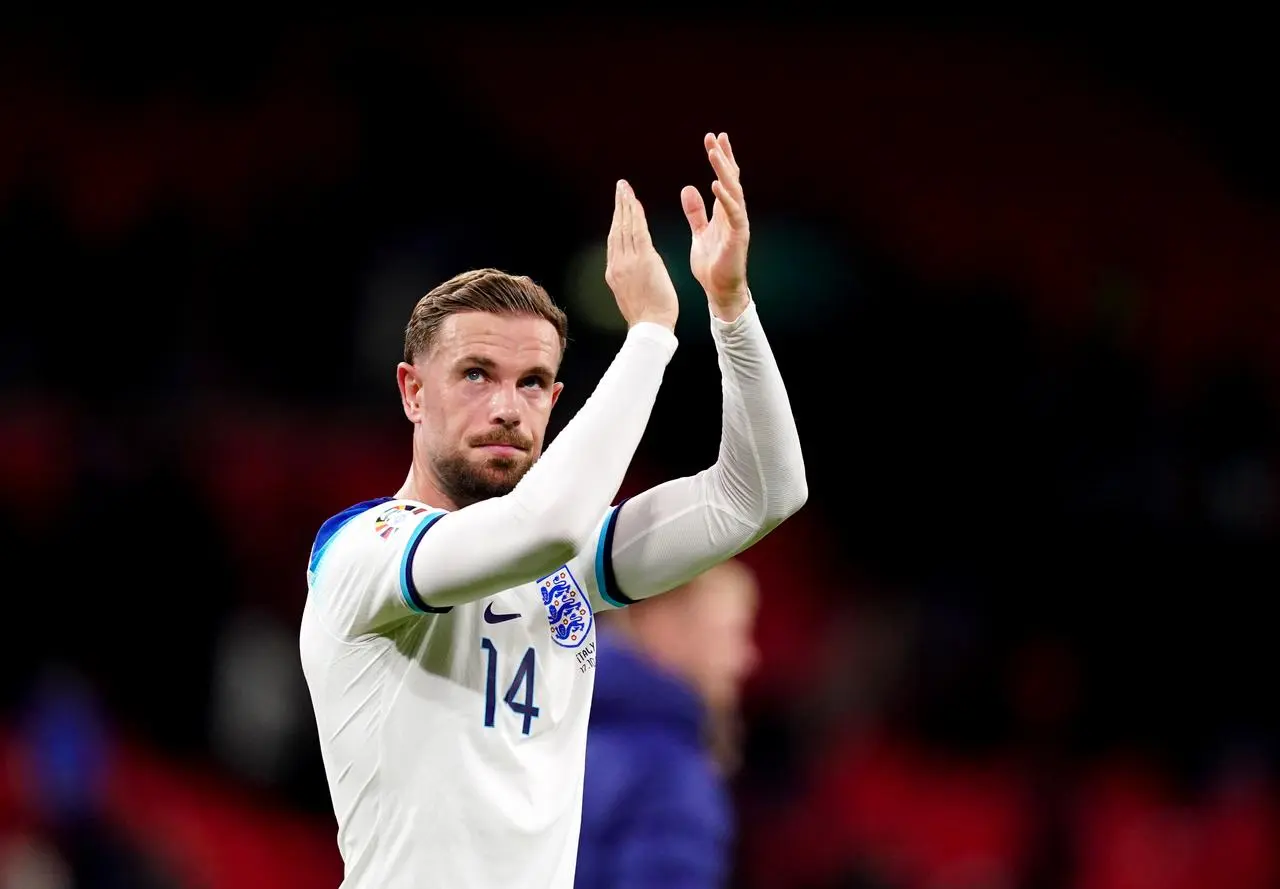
[(502, 450)]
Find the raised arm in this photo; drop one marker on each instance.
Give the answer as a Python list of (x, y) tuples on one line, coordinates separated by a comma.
[(554, 511), (668, 534)]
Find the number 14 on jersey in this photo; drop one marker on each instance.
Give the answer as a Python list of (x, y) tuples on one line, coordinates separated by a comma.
[(522, 682)]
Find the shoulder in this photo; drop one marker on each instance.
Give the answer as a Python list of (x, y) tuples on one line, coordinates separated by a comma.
[(372, 523)]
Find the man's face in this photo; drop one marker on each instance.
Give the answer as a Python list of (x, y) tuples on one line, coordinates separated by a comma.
[(481, 398)]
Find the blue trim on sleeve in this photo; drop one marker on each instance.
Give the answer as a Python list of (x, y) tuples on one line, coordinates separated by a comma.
[(407, 589), (333, 525), (605, 578)]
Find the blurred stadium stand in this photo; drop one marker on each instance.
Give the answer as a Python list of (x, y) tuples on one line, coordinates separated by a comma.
[(1023, 283)]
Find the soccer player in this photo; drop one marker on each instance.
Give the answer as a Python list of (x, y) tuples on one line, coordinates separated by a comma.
[(448, 635)]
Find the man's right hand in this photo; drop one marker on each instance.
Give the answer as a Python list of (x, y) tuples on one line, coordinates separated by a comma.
[(634, 271)]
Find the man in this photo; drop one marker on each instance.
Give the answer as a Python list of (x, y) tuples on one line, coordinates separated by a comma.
[(448, 634), (656, 812)]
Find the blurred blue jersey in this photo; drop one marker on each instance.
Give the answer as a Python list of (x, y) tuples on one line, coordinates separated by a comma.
[(655, 809)]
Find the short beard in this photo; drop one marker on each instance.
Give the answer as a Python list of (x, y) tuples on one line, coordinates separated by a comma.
[(465, 483)]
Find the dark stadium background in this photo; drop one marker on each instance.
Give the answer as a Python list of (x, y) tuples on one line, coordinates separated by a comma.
[(1021, 274)]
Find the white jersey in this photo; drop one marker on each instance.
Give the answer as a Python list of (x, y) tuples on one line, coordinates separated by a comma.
[(452, 712), (453, 739)]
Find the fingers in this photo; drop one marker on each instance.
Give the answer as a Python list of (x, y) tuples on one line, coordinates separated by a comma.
[(711, 141), (728, 185), (640, 239), (726, 169), (628, 235), (614, 241), (694, 209), (630, 229), (733, 206), (728, 149)]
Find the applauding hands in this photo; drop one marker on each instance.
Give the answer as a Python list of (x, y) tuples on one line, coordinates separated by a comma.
[(717, 256), (633, 270)]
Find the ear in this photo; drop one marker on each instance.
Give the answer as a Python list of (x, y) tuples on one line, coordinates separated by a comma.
[(556, 389), (410, 385)]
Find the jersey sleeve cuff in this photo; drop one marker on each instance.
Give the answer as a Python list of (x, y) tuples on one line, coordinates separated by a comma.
[(408, 590), (605, 578), (653, 332), (745, 321)]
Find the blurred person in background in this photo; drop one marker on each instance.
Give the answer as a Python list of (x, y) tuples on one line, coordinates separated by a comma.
[(663, 739), (448, 634)]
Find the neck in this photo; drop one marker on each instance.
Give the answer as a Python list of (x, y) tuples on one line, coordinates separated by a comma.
[(420, 486)]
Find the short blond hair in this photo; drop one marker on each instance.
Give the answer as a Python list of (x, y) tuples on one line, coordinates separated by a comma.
[(479, 290)]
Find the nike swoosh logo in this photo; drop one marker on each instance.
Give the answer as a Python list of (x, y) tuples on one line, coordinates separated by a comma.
[(491, 618)]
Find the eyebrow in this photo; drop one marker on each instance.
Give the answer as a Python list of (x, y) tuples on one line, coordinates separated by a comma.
[(489, 364)]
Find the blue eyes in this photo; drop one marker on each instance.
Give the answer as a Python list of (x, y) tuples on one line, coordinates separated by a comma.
[(476, 375)]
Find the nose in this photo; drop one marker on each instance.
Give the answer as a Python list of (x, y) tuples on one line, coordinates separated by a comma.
[(504, 407)]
